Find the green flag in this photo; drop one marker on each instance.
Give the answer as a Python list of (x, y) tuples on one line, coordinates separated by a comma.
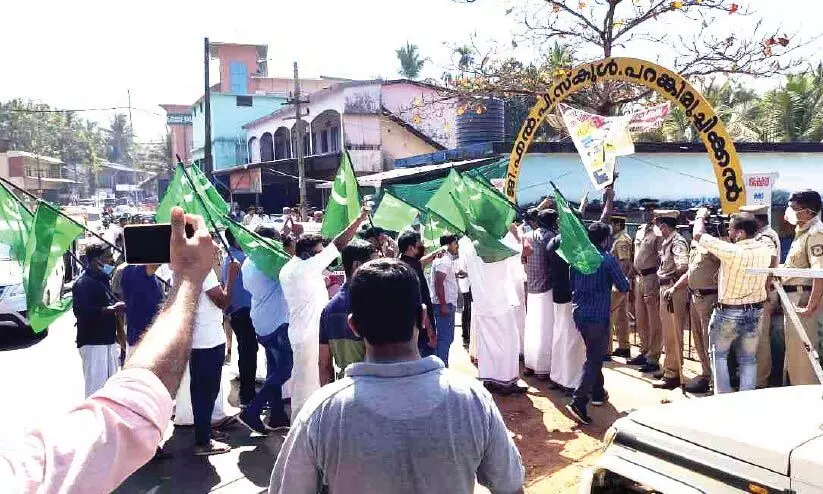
[(488, 208), (180, 193), (441, 202), (51, 236), (394, 214), (15, 224), (432, 227), (575, 246), (489, 248), (268, 255), (344, 200)]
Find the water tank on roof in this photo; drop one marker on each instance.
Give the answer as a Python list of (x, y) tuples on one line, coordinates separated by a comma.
[(480, 120)]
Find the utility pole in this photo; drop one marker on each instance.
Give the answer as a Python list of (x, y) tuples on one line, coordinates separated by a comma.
[(131, 123), (207, 158), (301, 165)]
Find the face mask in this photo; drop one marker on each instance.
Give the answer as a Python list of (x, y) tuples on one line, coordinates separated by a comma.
[(108, 269), (790, 216), (657, 231)]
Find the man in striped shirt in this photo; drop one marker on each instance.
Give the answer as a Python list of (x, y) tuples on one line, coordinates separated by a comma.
[(736, 317), (591, 307)]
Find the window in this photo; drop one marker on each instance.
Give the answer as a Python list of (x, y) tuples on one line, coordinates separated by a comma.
[(334, 139), (201, 107), (306, 147), (244, 101)]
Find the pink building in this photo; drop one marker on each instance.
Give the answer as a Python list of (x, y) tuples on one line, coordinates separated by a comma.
[(179, 121)]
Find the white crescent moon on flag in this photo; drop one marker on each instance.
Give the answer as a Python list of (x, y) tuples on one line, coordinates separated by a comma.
[(338, 198)]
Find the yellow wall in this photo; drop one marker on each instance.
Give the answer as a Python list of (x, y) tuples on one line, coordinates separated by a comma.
[(398, 142)]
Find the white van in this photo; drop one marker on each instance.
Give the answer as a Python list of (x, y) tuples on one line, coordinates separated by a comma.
[(12, 294), (762, 441)]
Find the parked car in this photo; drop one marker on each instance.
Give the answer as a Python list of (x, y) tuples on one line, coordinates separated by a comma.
[(12, 293), (762, 441)]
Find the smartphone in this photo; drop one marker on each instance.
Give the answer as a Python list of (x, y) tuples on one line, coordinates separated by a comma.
[(149, 244)]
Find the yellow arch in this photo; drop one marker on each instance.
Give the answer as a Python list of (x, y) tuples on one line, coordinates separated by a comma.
[(665, 82)]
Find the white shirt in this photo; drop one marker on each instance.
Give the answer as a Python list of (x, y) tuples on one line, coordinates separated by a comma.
[(464, 284), (306, 294), (444, 265), (208, 320)]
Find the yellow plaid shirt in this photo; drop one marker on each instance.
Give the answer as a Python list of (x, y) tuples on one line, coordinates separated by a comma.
[(735, 287)]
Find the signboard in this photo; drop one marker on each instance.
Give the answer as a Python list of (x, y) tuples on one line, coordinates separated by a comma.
[(178, 119), (759, 188), (650, 118), (246, 182), (126, 188)]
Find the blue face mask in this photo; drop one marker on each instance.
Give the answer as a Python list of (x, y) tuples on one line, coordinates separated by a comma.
[(107, 268)]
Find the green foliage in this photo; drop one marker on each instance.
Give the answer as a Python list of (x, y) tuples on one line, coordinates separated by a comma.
[(411, 64)]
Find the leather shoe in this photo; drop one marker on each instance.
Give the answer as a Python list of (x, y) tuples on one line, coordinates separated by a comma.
[(649, 368), (622, 352), (658, 375), (698, 385), (667, 383), (639, 360)]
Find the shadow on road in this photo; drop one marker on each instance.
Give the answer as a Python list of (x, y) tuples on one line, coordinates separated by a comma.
[(14, 338)]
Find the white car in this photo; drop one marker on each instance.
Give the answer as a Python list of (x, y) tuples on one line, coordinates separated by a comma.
[(94, 219), (763, 441), (12, 294)]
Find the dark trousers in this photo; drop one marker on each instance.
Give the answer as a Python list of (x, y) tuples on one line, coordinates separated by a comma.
[(423, 336), (279, 362), (466, 315), (205, 367), (247, 352), (596, 339)]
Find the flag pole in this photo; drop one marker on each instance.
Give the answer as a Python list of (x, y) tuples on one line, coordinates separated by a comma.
[(38, 200), (206, 210)]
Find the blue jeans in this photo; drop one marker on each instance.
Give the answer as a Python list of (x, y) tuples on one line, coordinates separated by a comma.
[(279, 361), (738, 327), (596, 338), (206, 368), (445, 331)]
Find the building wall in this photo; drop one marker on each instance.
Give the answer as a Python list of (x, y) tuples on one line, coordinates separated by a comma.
[(228, 137), (366, 161), (361, 130), (247, 54), (397, 142), (424, 108)]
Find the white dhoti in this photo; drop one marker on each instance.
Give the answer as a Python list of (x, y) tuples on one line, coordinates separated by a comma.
[(493, 319), (183, 414), (305, 375), (473, 335), (520, 313), (568, 349), (517, 276), (538, 339), (100, 362)]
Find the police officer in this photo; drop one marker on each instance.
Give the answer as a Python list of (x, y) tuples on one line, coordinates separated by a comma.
[(647, 243), (622, 250), (769, 237), (806, 252), (674, 262)]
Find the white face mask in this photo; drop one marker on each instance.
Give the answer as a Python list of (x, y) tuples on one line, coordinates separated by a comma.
[(790, 216), (657, 231)]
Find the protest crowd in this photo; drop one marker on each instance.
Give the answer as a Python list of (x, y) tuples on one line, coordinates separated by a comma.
[(358, 369)]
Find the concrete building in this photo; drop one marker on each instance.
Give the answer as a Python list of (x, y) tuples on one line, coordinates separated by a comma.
[(376, 121), (43, 176), (244, 92)]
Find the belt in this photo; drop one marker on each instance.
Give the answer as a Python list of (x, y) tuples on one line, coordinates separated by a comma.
[(797, 288), (667, 281), (646, 272), (703, 292), (756, 305)]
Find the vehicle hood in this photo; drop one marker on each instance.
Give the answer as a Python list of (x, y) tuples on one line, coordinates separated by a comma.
[(10, 273), (806, 462), (760, 427)]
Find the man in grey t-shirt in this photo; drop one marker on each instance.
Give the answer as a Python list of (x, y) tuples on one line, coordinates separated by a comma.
[(396, 423)]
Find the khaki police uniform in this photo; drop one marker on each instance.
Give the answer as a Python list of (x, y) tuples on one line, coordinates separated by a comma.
[(764, 345), (806, 252), (674, 261), (622, 250), (703, 271), (647, 292)]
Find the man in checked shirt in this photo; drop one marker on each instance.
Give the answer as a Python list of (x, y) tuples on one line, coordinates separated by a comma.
[(737, 314)]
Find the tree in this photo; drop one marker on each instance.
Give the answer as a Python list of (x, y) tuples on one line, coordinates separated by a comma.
[(699, 42), (410, 62), (121, 141), (794, 112)]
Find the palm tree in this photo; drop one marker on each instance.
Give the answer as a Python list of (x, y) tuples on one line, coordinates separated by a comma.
[(121, 140), (736, 106), (465, 55), (794, 112), (410, 62)]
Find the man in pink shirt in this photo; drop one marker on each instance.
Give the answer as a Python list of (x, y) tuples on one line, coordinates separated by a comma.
[(116, 430)]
